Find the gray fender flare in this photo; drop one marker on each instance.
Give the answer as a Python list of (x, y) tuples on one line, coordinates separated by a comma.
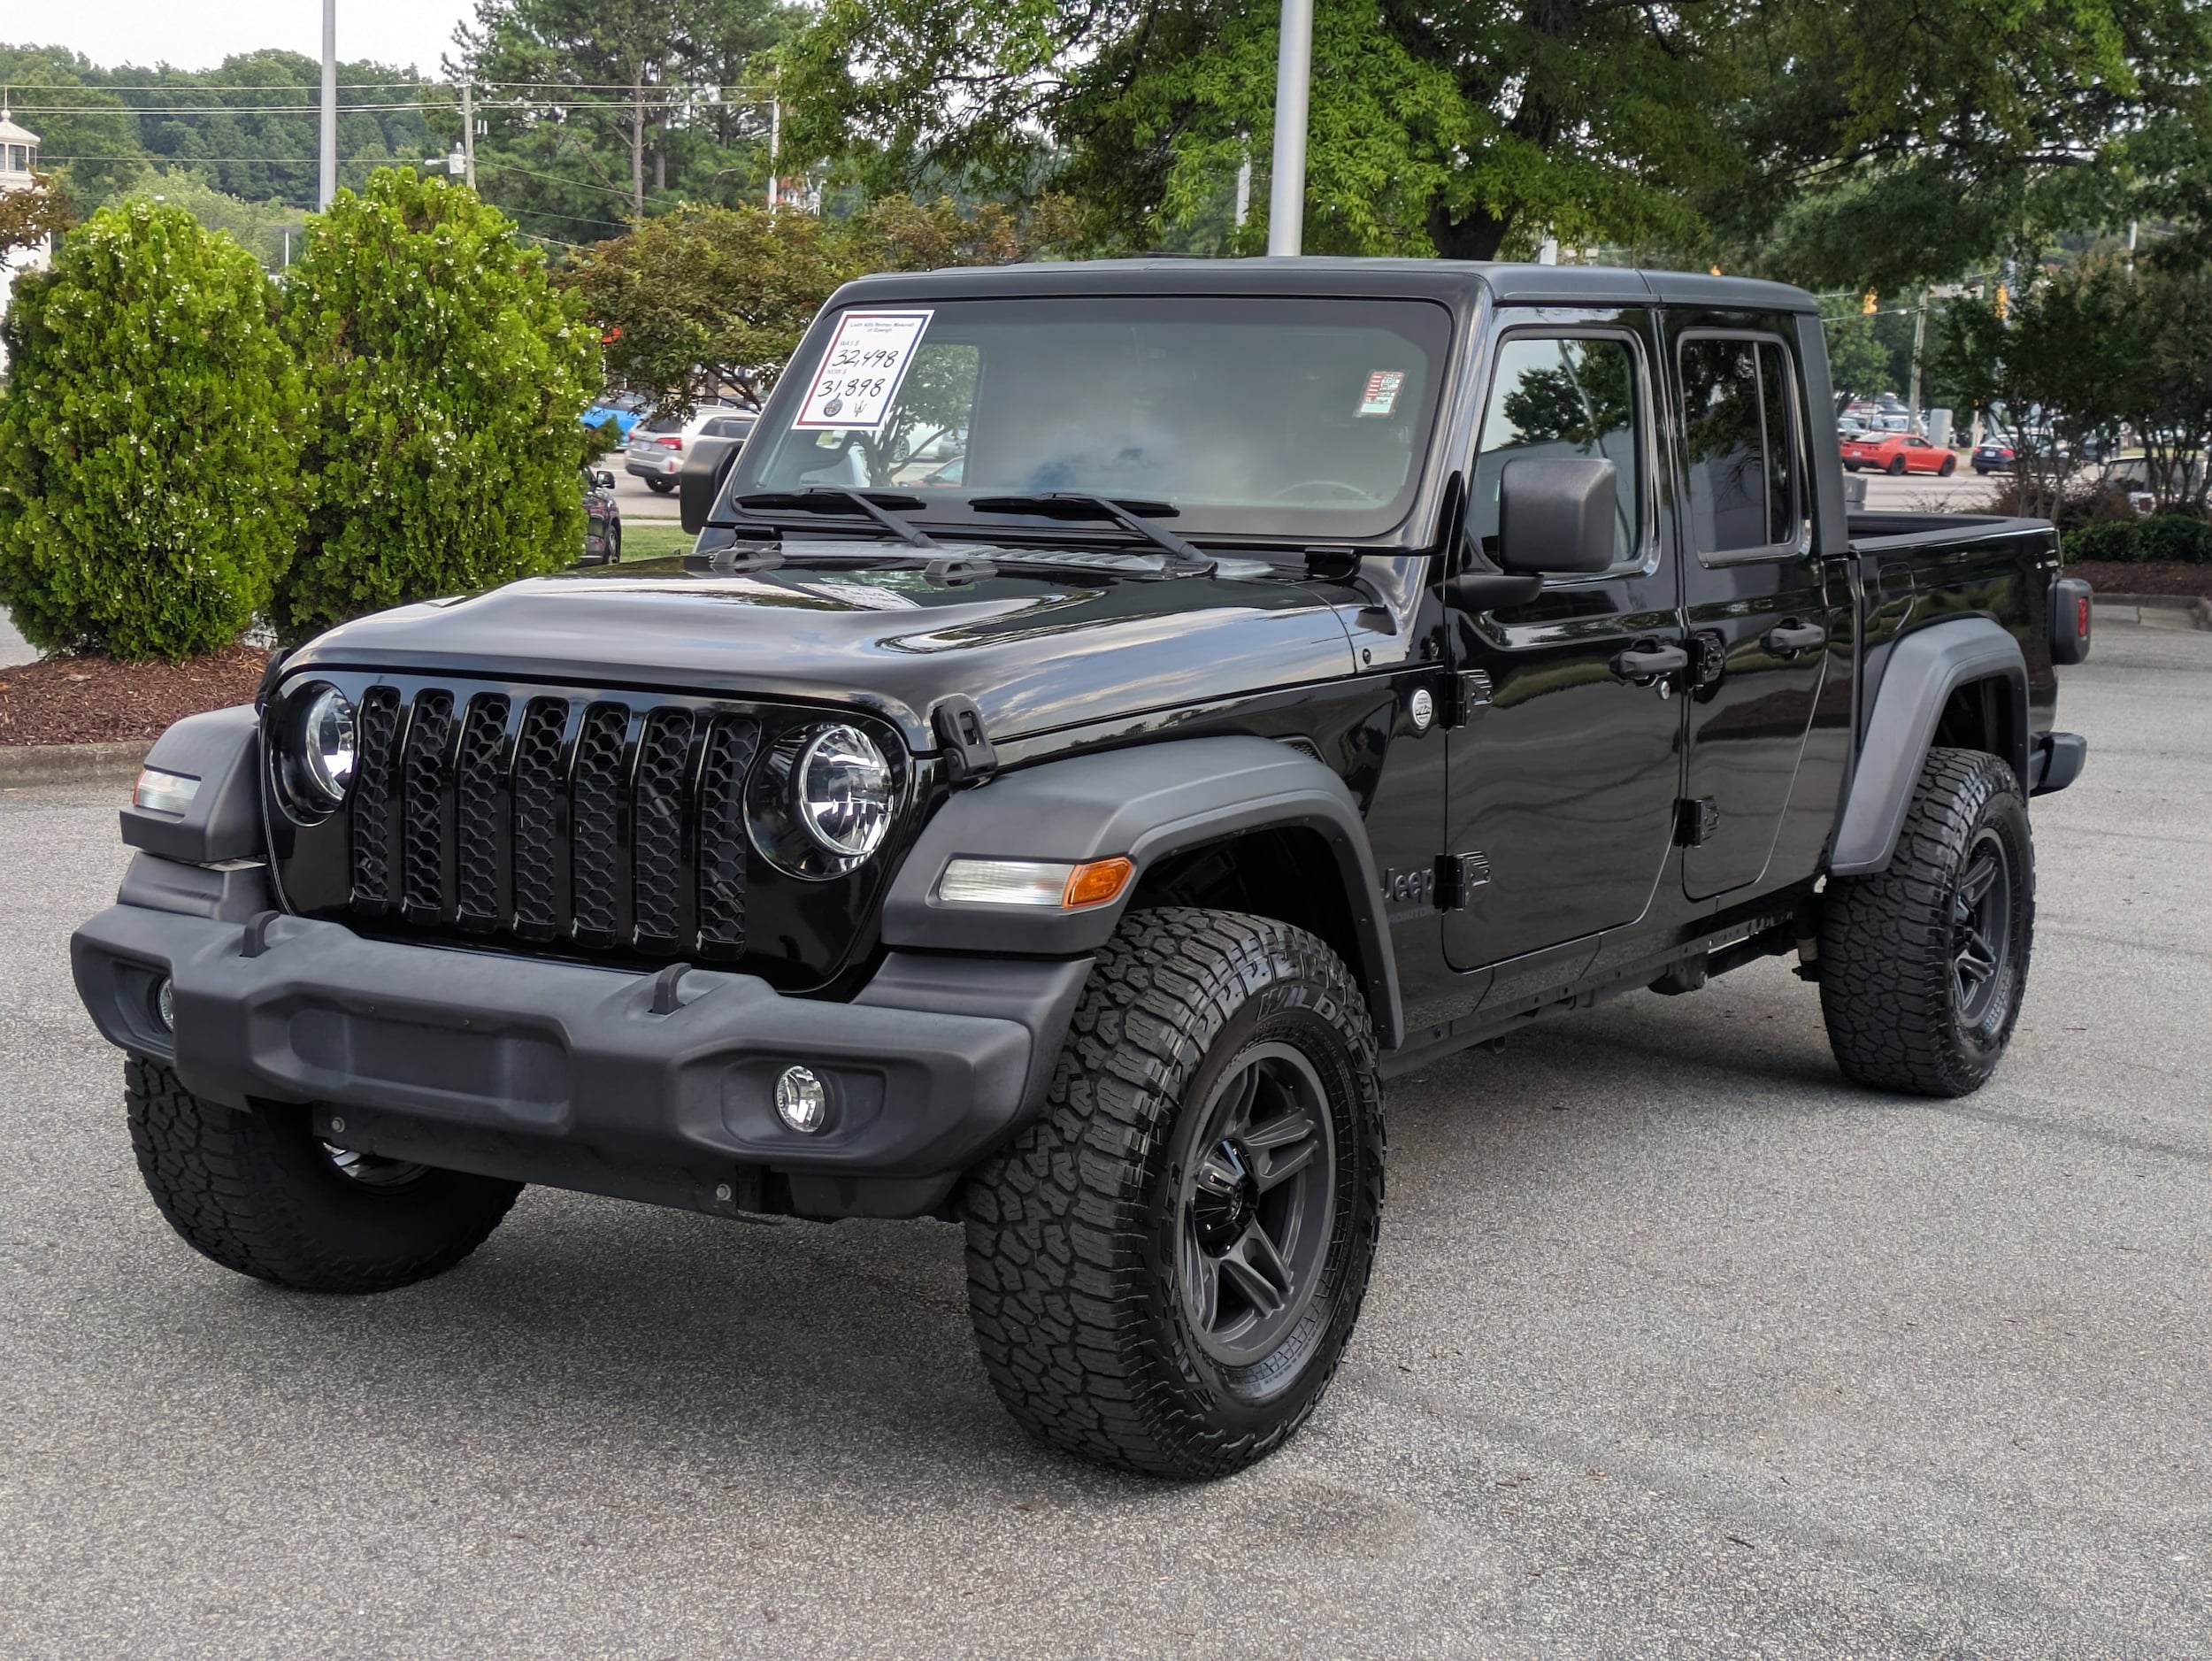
[(1146, 803), (221, 751), (1924, 668)]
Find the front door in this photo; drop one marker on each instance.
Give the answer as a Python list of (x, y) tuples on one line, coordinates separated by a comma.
[(1764, 617), (1562, 786)]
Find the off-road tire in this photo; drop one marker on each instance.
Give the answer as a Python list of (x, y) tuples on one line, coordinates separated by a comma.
[(1074, 1228), (1888, 940), (258, 1192)]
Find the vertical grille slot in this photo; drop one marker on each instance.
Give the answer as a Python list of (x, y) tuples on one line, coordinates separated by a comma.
[(656, 842), (729, 758), (422, 786), (476, 809), (594, 810), (537, 792), (373, 800)]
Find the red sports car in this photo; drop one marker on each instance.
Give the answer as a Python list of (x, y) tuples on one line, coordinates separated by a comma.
[(1897, 453)]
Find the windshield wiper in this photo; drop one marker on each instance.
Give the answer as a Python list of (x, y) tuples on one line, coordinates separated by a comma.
[(1135, 517), (837, 499)]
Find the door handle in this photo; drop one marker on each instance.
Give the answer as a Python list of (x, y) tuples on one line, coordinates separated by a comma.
[(1790, 636), (1646, 660)]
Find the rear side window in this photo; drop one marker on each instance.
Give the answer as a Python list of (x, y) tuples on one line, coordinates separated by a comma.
[(727, 427), (1562, 395), (1740, 439)]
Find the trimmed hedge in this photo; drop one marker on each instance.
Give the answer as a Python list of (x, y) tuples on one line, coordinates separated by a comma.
[(148, 474), (2164, 537), (444, 378)]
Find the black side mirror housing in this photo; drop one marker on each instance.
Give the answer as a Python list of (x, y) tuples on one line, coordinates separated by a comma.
[(706, 464), (1556, 515), (603, 480)]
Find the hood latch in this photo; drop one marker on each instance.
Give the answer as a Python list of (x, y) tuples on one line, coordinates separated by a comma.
[(958, 724)]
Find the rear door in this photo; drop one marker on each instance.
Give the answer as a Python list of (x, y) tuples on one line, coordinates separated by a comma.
[(1764, 615), (1562, 783)]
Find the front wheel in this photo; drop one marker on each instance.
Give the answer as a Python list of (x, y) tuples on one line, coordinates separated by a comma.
[(614, 545), (1165, 1270), (1950, 465), (259, 1192), (1923, 965)]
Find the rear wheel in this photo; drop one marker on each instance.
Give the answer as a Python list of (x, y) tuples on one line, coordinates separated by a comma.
[(1923, 965), (1850, 466), (660, 487), (1896, 467), (1165, 1270), (259, 1192)]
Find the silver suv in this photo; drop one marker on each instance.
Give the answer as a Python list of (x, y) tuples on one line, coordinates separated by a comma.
[(655, 452)]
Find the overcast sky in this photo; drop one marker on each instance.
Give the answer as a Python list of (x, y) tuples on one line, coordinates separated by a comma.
[(200, 33)]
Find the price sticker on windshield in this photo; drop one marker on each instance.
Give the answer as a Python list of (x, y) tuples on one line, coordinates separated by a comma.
[(868, 357)]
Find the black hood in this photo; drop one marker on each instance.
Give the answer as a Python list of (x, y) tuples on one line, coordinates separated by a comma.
[(1035, 652)]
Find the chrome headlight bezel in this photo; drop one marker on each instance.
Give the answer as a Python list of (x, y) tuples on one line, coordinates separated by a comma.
[(821, 800), (319, 749)]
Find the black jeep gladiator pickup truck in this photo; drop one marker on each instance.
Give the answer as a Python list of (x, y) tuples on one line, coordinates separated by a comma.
[(1116, 716)]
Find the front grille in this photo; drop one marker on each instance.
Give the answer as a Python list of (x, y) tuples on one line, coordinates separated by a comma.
[(604, 823)]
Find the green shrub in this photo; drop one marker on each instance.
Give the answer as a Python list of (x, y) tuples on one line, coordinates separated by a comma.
[(149, 472), (444, 376), (2163, 537)]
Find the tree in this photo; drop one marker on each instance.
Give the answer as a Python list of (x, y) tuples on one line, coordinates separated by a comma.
[(28, 218), (712, 301), (148, 477), (1872, 141), (599, 112), (444, 375)]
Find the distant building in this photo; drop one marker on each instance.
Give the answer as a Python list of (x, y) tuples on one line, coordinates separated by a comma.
[(19, 156)]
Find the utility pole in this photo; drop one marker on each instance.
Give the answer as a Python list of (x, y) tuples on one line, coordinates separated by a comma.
[(1294, 78), (1244, 189), (637, 145), (775, 137), (1919, 339), (468, 133), (329, 180)]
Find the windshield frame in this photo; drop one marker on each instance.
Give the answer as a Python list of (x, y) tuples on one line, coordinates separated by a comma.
[(1437, 329)]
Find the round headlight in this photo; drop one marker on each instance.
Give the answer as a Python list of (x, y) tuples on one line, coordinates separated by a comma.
[(821, 801), (326, 747)]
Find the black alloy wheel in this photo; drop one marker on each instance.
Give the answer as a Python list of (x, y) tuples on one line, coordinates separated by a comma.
[(1256, 1210), (1896, 468), (1981, 931)]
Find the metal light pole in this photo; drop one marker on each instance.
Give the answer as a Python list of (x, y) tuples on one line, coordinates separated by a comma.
[(468, 133), (329, 183), (1294, 75)]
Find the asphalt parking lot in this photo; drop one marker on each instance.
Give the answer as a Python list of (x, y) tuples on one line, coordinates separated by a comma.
[(1677, 1346)]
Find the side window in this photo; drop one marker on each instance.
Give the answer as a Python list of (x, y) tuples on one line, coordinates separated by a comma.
[(1740, 444), (1562, 395)]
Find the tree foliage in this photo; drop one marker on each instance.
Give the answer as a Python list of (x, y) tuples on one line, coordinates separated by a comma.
[(148, 485), (444, 374), (1840, 141), (710, 302), (28, 218)]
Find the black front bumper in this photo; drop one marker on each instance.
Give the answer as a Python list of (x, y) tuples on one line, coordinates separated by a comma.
[(564, 1074)]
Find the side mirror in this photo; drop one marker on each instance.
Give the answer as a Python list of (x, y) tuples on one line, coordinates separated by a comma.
[(603, 480), (1556, 515), (706, 464)]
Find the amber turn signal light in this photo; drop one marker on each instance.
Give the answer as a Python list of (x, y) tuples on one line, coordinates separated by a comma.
[(1096, 882)]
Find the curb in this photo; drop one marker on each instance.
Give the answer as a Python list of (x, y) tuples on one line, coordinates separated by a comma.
[(116, 763), (2199, 610)]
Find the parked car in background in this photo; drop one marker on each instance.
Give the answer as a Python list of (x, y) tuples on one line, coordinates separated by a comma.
[(656, 450), (614, 416), (602, 518), (1993, 454), (1897, 453)]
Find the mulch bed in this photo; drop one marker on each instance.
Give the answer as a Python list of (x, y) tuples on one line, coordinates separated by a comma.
[(2157, 576), (93, 699)]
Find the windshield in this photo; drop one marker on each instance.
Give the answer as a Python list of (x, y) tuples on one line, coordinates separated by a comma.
[(1247, 416)]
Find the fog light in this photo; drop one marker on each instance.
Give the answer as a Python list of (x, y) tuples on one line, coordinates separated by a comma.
[(801, 1101), (165, 1004)]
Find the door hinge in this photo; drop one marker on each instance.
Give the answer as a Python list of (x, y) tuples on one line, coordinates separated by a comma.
[(1466, 695), (969, 757), (1696, 821), (1457, 877)]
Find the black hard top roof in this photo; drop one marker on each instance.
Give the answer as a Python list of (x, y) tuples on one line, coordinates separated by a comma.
[(1448, 279)]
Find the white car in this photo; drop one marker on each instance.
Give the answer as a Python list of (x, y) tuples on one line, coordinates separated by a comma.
[(656, 450)]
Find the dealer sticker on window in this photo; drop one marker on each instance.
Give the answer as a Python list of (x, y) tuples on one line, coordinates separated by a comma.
[(868, 357), (1381, 396)]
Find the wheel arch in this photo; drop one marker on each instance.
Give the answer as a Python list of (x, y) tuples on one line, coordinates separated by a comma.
[(1243, 821), (1962, 683)]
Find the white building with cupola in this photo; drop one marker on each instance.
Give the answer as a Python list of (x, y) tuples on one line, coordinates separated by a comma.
[(18, 159)]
